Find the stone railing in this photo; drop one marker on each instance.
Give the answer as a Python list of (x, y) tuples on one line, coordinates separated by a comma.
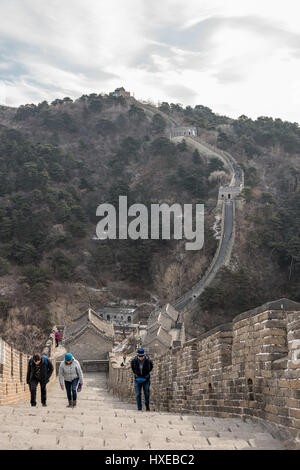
[(247, 368), (13, 371)]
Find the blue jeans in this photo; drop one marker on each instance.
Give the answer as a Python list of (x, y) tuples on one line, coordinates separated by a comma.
[(71, 388), (138, 392)]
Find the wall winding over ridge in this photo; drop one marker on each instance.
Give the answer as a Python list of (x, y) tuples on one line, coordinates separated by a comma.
[(226, 241), (247, 368), (223, 253)]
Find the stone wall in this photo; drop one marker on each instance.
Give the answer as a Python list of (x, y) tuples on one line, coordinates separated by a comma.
[(13, 372), (248, 368), (90, 366), (184, 302)]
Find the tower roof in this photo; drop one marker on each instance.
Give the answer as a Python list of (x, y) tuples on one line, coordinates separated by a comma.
[(89, 319)]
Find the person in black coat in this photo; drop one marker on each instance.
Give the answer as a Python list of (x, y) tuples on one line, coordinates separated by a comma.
[(39, 370), (141, 366)]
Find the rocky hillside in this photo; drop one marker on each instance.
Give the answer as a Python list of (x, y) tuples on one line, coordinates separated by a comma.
[(59, 161)]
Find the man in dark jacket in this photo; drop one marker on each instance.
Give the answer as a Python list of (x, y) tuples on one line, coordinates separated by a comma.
[(141, 366), (39, 370)]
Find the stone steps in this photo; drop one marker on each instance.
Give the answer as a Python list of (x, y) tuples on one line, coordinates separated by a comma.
[(101, 421)]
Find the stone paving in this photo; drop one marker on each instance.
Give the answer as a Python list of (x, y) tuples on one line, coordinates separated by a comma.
[(101, 421)]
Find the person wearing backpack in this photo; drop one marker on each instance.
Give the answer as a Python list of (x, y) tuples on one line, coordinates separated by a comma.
[(39, 371), (70, 374), (141, 366)]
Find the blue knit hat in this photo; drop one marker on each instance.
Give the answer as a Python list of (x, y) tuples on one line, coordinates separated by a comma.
[(141, 352), (68, 357)]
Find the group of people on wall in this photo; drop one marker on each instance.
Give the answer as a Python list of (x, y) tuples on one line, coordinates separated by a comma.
[(40, 369)]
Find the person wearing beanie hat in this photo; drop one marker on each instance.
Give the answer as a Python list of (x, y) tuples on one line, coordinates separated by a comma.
[(70, 374), (141, 366), (141, 352)]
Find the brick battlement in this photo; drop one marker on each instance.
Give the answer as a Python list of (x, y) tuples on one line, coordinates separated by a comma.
[(247, 368), (13, 372)]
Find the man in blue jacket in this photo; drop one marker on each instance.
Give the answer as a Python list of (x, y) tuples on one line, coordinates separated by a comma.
[(141, 366)]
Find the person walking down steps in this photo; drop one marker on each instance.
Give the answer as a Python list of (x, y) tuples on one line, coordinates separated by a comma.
[(141, 366), (39, 371), (70, 374)]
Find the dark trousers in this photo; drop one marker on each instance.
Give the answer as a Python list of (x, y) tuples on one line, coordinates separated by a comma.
[(138, 392), (71, 388), (56, 342), (33, 386)]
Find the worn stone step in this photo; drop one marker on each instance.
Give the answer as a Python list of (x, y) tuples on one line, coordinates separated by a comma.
[(101, 421)]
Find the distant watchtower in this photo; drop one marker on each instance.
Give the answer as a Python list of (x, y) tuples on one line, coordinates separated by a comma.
[(184, 131), (228, 192), (120, 92)]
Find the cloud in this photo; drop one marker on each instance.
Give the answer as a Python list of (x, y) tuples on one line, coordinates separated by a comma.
[(179, 93), (74, 51), (233, 55), (228, 75)]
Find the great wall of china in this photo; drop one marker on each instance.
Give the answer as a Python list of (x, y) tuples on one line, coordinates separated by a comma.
[(225, 208), (235, 387), (249, 368)]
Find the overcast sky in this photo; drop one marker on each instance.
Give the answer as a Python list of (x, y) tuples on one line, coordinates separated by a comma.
[(235, 56)]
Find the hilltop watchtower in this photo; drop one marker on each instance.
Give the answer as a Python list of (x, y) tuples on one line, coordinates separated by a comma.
[(120, 92)]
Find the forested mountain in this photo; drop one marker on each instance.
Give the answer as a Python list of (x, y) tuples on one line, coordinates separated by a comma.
[(59, 161), (266, 258)]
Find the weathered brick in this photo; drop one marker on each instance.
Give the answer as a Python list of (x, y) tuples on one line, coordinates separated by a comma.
[(295, 413)]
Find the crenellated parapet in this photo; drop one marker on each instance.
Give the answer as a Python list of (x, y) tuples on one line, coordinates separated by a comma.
[(247, 368)]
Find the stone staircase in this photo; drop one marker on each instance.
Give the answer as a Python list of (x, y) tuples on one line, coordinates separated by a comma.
[(101, 421)]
